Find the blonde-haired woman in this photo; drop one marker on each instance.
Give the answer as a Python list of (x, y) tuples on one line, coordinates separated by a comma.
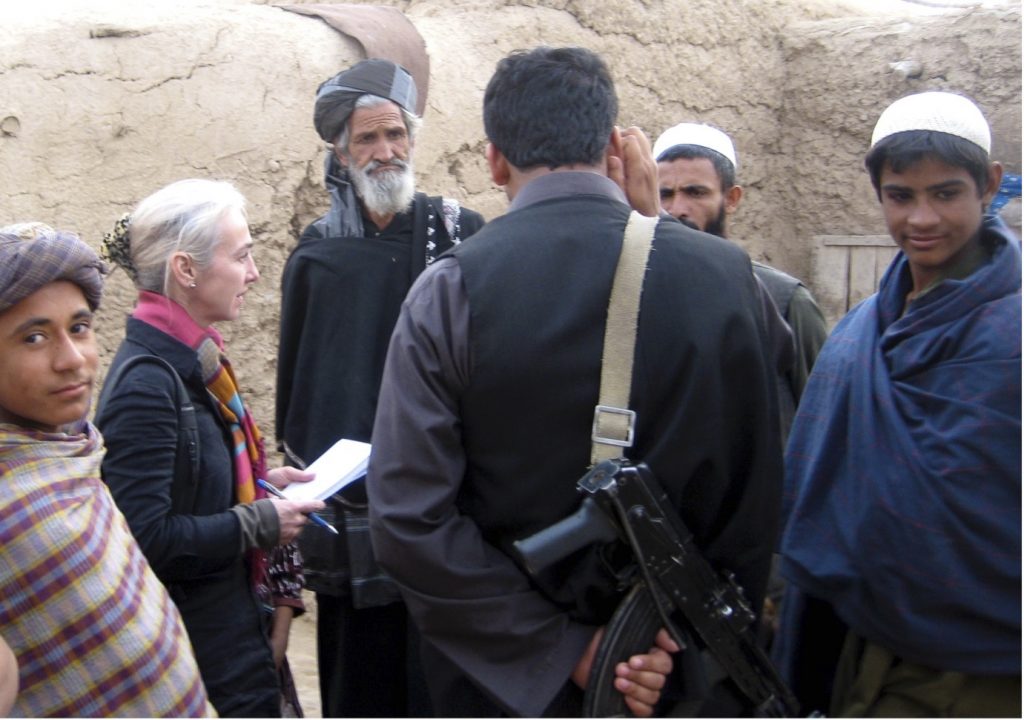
[(221, 546)]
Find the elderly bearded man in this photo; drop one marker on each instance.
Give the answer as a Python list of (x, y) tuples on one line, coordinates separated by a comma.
[(341, 292)]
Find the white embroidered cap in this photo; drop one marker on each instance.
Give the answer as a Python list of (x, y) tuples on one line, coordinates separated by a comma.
[(696, 134), (939, 111)]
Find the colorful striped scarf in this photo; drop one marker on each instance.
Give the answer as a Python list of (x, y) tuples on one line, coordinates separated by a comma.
[(94, 630), (249, 457)]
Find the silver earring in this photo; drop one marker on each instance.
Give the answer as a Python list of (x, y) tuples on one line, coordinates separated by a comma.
[(192, 284)]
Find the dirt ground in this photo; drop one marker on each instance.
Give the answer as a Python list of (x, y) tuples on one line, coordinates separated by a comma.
[(302, 658)]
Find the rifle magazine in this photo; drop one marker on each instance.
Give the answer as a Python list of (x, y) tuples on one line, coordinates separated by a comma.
[(630, 631)]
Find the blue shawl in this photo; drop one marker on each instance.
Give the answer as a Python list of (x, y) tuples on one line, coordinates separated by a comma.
[(903, 470)]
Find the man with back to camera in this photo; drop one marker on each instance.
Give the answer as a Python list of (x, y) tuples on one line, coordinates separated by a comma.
[(489, 392), (903, 538), (340, 295), (697, 179)]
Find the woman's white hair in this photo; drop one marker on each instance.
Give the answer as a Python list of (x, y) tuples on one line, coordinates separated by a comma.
[(184, 216)]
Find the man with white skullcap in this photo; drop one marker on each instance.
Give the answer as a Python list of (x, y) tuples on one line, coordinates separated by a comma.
[(697, 175), (697, 185), (341, 292), (903, 541)]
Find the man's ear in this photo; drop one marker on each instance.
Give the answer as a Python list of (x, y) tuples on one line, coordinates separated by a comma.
[(498, 165), (340, 155), (732, 199), (995, 177), (614, 148)]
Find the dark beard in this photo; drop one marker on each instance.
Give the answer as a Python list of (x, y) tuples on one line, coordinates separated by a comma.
[(717, 226)]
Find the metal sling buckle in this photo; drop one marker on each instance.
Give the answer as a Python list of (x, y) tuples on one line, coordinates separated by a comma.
[(630, 426)]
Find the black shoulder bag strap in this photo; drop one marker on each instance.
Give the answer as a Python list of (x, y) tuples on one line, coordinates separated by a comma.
[(186, 460)]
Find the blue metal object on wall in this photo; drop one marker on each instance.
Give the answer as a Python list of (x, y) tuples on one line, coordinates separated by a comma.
[(1009, 189)]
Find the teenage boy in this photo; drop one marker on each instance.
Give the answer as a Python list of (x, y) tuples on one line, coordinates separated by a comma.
[(94, 631), (903, 468)]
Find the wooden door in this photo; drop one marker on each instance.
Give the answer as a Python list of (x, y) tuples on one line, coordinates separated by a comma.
[(846, 269)]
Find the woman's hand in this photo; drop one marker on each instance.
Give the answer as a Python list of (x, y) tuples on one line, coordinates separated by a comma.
[(292, 515), (282, 477)]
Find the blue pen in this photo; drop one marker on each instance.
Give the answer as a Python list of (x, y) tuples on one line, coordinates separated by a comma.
[(312, 516)]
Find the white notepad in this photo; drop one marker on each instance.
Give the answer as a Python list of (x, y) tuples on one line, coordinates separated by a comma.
[(344, 463)]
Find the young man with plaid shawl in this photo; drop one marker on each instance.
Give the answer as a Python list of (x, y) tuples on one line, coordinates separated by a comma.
[(94, 631)]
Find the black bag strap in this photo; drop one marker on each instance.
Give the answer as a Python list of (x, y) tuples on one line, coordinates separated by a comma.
[(186, 459)]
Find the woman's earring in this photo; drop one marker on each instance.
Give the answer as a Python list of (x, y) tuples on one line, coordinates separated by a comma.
[(192, 284)]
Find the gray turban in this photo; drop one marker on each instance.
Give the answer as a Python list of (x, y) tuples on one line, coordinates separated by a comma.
[(336, 98), (33, 255)]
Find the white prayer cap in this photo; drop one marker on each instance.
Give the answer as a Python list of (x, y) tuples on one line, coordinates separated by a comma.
[(696, 134), (939, 111)]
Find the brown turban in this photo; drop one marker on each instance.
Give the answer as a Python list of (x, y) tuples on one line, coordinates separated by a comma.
[(336, 98), (33, 255)]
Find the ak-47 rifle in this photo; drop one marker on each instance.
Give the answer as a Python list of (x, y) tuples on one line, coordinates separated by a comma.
[(624, 501)]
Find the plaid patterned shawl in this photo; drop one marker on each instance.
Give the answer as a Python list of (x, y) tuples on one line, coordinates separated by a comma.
[(94, 630)]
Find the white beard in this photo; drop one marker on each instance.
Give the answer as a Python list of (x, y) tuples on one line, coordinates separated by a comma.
[(384, 193)]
